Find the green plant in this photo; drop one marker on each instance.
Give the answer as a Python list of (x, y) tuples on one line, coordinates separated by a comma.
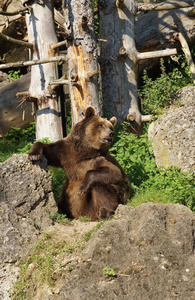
[(17, 140), (87, 235), (156, 95), (109, 272), (84, 219), (14, 74), (38, 267), (59, 177), (170, 185), (60, 218)]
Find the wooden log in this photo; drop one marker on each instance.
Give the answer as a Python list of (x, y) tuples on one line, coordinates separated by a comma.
[(82, 58), (164, 5), (119, 72), (187, 53), (155, 30), (41, 32)]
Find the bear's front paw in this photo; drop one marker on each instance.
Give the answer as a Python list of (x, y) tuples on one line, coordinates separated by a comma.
[(34, 156)]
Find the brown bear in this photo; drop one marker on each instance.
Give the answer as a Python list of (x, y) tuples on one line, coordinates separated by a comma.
[(96, 184)]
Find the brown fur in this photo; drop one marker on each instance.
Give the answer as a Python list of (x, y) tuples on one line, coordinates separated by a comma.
[(95, 184)]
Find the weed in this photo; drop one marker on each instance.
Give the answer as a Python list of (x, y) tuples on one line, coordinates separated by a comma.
[(84, 219), (38, 267), (171, 185), (156, 95), (109, 272), (87, 235), (59, 218)]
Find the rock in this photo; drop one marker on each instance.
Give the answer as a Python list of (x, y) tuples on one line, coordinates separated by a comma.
[(173, 134), (11, 114), (25, 196), (4, 79), (150, 248)]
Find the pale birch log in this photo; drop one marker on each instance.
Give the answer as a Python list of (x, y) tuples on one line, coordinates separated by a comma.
[(41, 32)]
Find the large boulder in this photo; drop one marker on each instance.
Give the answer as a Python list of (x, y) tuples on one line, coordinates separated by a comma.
[(26, 197), (150, 248), (173, 134)]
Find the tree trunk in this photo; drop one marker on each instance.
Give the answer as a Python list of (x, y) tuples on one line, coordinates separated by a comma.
[(82, 58), (41, 32), (118, 61)]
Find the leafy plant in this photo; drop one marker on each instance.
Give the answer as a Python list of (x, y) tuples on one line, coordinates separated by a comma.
[(38, 267), (170, 185), (87, 235), (156, 95), (84, 219), (59, 177), (109, 272), (60, 218), (14, 74), (17, 140)]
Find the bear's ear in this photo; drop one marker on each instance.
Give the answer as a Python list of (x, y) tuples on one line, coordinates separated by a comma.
[(90, 112), (113, 120)]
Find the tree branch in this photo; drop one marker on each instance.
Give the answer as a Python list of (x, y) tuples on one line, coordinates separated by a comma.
[(15, 41), (33, 62), (164, 5), (11, 19), (154, 54), (20, 11)]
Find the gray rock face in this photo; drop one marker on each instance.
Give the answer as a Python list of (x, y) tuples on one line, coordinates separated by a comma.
[(173, 134), (150, 248), (25, 195), (4, 79)]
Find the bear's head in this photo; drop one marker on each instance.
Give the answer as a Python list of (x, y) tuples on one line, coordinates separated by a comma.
[(96, 132)]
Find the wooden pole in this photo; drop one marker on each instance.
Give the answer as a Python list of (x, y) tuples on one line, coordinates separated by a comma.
[(187, 53), (41, 33), (82, 58)]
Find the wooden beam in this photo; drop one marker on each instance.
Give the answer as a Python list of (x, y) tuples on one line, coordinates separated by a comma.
[(154, 54), (187, 53), (33, 62), (164, 5), (15, 41)]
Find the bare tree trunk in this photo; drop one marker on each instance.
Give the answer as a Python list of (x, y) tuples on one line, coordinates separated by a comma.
[(119, 61), (82, 58), (41, 33)]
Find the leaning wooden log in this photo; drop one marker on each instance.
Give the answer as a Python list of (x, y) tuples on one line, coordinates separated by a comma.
[(164, 5), (187, 53), (10, 113), (155, 30)]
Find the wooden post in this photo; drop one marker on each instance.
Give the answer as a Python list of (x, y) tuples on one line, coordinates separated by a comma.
[(82, 58), (41, 33), (186, 50), (119, 71)]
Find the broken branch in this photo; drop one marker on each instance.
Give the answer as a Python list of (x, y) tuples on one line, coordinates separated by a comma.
[(33, 62), (20, 11), (154, 54), (15, 41)]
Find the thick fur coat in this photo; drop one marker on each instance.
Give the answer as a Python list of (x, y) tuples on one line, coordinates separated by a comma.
[(96, 184)]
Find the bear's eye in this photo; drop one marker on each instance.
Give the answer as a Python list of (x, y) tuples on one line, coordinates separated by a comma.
[(99, 126)]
